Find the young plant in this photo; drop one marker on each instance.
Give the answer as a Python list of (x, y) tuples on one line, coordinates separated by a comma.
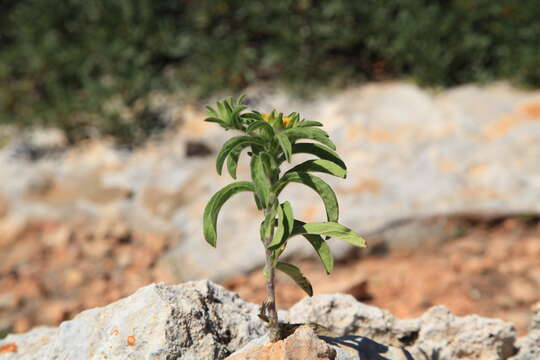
[(271, 140)]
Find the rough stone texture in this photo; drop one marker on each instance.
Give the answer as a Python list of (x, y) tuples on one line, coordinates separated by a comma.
[(529, 346), (445, 336), (302, 345), (436, 335), (201, 320), (196, 320), (344, 315), (305, 344)]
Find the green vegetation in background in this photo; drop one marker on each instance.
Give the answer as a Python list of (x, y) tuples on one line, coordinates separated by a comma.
[(77, 64)]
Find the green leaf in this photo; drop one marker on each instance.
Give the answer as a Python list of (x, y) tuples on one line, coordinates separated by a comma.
[(266, 129), (279, 233), (285, 145), (307, 123), (215, 120), (269, 163), (295, 274), (310, 133), (323, 250), (232, 161), (260, 180), (232, 143), (323, 189), (331, 229), (288, 217), (319, 165), (318, 150), (211, 211)]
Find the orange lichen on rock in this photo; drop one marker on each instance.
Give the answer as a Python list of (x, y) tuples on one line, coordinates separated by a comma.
[(131, 340), (531, 110), (8, 348), (501, 127), (115, 332)]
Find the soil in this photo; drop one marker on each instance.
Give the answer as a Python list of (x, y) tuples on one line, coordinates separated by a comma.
[(492, 269)]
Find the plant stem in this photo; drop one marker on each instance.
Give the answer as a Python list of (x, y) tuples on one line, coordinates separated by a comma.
[(273, 324), (270, 303)]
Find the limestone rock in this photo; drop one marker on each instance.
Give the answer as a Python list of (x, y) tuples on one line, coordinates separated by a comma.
[(196, 320), (305, 344), (203, 321), (443, 335), (436, 335), (344, 315), (529, 346), (302, 345)]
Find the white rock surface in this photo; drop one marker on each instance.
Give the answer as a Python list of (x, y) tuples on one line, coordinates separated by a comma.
[(201, 320), (197, 320)]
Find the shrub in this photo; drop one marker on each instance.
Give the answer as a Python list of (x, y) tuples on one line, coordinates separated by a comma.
[(63, 63)]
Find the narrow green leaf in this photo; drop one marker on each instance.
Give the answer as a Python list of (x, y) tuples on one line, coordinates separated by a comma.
[(295, 274), (214, 120), (285, 145), (279, 232), (307, 123), (323, 250), (331, 229), (268, 162), (266, 226), (230, 145), (323, 189), (319, 165), (212, 112), (232, 161), (318, 150), (260, 180), (310, 133), (288, 216), (265, 128), (211, 211)]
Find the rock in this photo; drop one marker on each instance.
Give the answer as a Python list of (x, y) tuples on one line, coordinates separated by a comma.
[(305, 344), (302, 345), (196, 320), (528, 347), (201, 320), (446, 336), (438, 333), (344, 315)]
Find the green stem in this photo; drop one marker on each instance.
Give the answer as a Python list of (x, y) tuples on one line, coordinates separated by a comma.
[(270, 303)]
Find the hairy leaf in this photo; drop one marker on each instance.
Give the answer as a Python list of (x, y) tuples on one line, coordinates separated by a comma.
[(211, 211), (323, 189), (323, 250), (260, 180), (232, 161), (332, 229), (265, 128), (318, 150), (231, 144), (295, 274), (307, 123), (279, 232), (319, 165), (288, 217), (310, 133), (285, 145)]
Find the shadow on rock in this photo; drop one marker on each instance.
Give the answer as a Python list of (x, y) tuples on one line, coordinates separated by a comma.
[(368, 349)]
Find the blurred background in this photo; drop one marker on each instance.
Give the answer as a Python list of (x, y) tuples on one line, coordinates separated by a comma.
[(106, 164)]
